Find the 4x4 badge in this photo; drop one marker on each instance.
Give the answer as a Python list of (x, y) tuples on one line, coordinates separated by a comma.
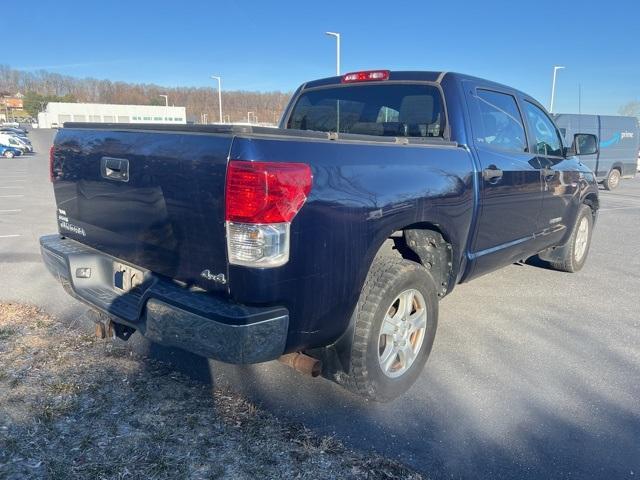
[(219, 278)]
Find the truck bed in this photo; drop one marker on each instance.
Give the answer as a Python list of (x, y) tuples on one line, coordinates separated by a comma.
[(168, 217), (243, 130)]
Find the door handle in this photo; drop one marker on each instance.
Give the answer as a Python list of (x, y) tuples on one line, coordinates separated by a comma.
[(492, 174)]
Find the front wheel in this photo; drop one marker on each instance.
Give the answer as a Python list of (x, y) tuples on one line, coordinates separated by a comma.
[(8, 154), (575, 255), (613, 179), (395, 325)]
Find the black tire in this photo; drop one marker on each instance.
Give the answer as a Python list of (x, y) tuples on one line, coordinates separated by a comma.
[(387, 279), (8, 154), (569, 262), (613, 179)]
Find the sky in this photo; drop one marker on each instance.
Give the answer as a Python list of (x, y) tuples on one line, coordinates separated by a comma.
[(276, 45)]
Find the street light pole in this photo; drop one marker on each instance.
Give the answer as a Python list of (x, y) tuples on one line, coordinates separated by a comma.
[(553, 85), (337, 37), (219, 95)]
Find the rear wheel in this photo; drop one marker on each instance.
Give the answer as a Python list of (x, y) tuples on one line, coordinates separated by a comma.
[(575, 255), (613, 179), (396, 321)]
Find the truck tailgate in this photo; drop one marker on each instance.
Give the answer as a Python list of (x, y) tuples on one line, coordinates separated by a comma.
[(151, 198)]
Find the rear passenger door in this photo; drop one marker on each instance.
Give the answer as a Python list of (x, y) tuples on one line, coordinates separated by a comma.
[(560, 175), (510, 183)]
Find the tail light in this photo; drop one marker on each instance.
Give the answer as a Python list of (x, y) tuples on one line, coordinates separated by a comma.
[(261, 200), (366, 76), (51, 155)]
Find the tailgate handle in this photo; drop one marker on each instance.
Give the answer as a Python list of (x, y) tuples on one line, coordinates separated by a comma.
[(115, 169)]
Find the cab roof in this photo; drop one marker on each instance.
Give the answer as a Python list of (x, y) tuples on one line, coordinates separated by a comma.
[(418, 76)]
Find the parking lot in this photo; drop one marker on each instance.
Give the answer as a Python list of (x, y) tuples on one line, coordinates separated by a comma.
[(540, 381)]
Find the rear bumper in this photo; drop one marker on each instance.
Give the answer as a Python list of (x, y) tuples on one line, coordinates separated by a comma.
[(167, 313)]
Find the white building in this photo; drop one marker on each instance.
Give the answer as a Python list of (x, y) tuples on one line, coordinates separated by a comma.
[(58, 113)]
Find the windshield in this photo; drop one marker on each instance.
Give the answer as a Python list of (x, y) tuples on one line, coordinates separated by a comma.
[(397, 110)]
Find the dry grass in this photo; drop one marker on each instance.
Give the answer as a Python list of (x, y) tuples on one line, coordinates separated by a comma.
[(72, 406)]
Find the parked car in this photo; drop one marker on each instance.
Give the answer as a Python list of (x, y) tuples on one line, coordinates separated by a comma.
[(331, 238), (26, 143), (619, 143), (9, 152), (18, 132), (16, 142)]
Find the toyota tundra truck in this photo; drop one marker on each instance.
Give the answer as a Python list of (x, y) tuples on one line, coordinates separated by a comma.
[(332, 237)]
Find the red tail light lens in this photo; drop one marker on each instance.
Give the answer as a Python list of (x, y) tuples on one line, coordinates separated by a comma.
[(366, 76), (51, 155), (265, 192)]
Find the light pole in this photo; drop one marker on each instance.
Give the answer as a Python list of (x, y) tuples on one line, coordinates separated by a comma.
[(553, 85), (337, 37), (219, 94)]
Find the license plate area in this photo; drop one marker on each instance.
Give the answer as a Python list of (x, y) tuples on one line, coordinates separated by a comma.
[(126, 277)]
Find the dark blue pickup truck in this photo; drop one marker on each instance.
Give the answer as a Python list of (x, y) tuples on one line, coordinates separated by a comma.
[(332, 237)]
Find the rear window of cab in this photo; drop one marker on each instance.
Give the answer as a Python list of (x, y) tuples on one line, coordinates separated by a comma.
[(395, 110)]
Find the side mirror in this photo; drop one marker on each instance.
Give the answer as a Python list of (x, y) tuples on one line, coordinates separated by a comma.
[(585, 144)]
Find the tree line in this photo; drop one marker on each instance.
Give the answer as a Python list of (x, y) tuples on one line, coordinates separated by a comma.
[(41, 87)]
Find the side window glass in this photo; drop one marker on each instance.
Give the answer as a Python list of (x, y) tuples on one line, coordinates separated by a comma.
[(546, 140), (501, 125)]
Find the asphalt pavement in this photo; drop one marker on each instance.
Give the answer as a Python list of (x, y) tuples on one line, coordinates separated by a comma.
[(534, 373)]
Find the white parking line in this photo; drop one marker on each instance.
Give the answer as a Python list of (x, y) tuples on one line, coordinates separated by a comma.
[(11, 196), (9, 236), (13, 186), (15, 210)]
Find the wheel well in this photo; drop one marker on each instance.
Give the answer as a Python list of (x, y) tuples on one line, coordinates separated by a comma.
[(592, 201), (424, 244)]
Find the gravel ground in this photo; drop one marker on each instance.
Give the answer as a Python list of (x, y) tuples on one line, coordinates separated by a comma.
[(73, 406)]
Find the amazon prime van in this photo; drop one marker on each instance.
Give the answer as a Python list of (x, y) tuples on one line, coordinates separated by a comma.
[(619, 144)]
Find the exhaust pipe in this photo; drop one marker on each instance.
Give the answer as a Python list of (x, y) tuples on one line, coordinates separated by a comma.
[(302, 363)]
